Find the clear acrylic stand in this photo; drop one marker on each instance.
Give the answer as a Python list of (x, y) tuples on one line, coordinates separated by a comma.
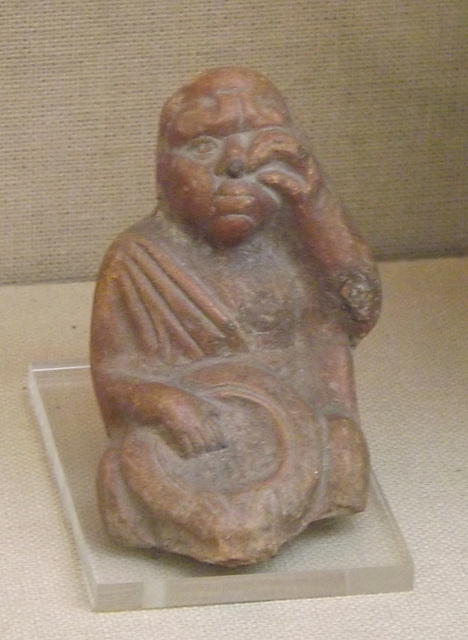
[(359, 554)]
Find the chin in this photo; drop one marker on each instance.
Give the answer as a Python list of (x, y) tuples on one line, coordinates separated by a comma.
[(230, 230)]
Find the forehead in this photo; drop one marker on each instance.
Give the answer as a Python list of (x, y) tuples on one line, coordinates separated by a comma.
[(223, 111)]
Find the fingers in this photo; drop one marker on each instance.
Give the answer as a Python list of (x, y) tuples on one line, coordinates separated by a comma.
[(284, 164), (196, 441), (275, 145), (292, 188), (212, 437), (281, 151), (196, 435)]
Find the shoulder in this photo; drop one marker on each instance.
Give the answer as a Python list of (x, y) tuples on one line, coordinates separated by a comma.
[(116, 291), (123, 246)]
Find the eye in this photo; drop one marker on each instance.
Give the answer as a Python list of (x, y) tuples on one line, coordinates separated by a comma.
[(203, 147)]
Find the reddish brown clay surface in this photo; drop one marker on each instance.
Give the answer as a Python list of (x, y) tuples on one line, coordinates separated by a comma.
[(222, 333)]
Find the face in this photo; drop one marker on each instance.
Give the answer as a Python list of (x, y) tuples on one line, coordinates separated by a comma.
[(211, 187), (208, 166)]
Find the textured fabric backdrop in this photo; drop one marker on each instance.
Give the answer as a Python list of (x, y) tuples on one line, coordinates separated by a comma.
[(380, 86)]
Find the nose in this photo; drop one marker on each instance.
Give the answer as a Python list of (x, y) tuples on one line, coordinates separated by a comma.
[(235, 168), (232, 162)]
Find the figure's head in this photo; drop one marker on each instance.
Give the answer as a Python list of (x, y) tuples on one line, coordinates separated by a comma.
[(206, 167)]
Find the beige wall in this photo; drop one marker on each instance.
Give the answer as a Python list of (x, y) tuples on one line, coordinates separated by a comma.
[(381, 86)]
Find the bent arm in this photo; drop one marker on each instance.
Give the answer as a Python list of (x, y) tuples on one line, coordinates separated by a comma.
[(349, 275), (128, 378), (343, 260)]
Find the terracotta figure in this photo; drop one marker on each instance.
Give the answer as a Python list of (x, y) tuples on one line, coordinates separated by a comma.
[(222, 332)]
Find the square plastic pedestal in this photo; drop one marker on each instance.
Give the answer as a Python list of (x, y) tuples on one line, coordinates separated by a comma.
[(351, 555)]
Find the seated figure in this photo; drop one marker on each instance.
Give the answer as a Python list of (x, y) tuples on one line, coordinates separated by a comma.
[(222, 333)]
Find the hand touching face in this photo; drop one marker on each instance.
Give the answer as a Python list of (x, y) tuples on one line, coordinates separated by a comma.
[(226, 187), (282, 163), (210, 189), (228, 158)]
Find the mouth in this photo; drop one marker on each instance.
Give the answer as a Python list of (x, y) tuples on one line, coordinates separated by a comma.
[(236, 216), (243, 193), (232, 202), (233, 205)]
